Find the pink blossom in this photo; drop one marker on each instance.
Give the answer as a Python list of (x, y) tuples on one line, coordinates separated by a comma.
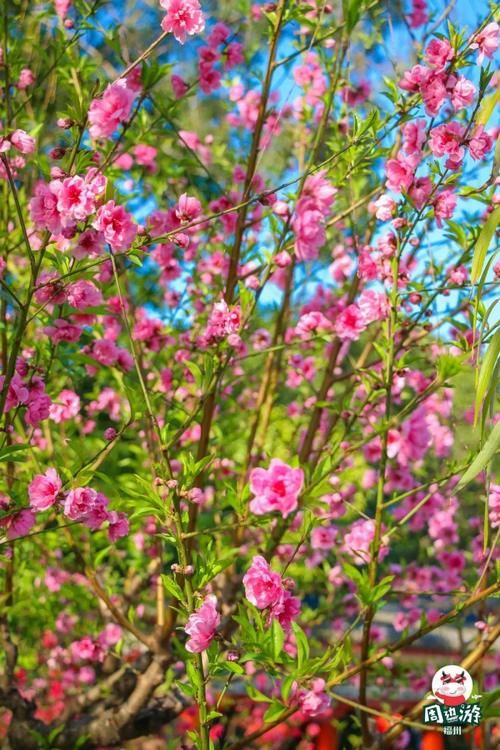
[(373, 305), (210, 77), (358, 540), (418, 16), (183, 17), (118, 525), (457, 275), (223, 321), (414, 79), (323, 537), (439, 53), (43, 209), (97, 512), (350, 323), (263, 587), (86, 649), (116, 225), (311, 323), (463, 93), (282, 259), (434, 93), (63, 330), (285, 610), (219, 34), (66, 406), (384, 207), (105, 352), (26, 78), (82, 294), (111, 109), (314, 702), (444, 205), (400, 173), (96, 181), (23, 142), (202, 625), (233, 54), (20, 524), (309, 233), (443, 529), (62, 7), (79, 502), (494, 505), (368, 267), (414, 136), (90, 244), (75, 199), (188, 208), (18, 392), (480, 143), (446, 140), (38, 402), (110, 635), (486, 41), (319, 191), (275, 489), (312, 209), (420, 191), (179, 86), (44, 489), (145, 155)]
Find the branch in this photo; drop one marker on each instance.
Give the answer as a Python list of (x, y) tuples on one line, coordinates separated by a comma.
[(375, 658), (137, 716)]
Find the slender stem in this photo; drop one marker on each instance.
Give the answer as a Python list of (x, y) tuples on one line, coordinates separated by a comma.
[(372, 570), (19, 212), (144, 55), (254, 153)]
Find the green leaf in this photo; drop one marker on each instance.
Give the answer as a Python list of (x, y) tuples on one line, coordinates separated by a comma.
[(490, 698), (256, 695), (274, 711), (195, 372), (483, 457), (213, 715), (9, 452), (278, 637), (234, 667), (488, 106), (173, 588), (101, 555), (382, 588), (286, 686), (302, 645), (193, 674), (352, 12), (448, 365), (487, 370), (483, 242)]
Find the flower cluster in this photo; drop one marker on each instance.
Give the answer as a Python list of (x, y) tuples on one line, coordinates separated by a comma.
[(266, 590), (80, 504)]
